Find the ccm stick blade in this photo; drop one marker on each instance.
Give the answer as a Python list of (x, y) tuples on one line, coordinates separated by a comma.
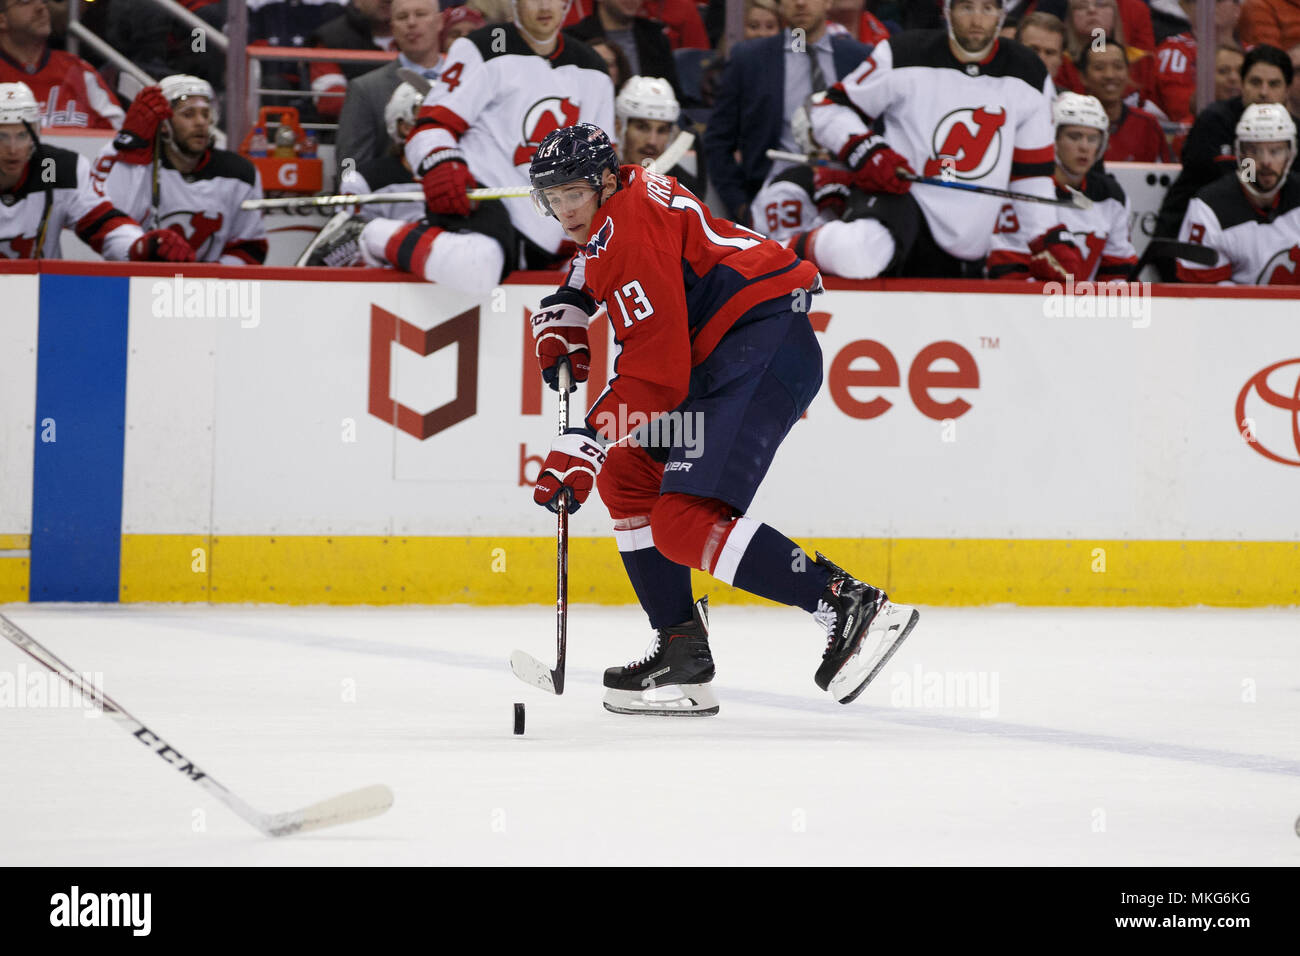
[(345, 808), (532, 671)]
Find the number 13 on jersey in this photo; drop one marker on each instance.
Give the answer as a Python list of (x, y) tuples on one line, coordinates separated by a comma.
[(641, 307)]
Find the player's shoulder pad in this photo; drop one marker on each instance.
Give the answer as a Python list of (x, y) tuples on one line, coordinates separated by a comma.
[(919, 48), (1016, 59), (801, 176), (223, 164), (486, 38), (64, 163), (1227, 201), (1100, 186)]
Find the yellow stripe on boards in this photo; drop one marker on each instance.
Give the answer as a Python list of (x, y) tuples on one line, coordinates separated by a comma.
[(511, 570), (15, 573)]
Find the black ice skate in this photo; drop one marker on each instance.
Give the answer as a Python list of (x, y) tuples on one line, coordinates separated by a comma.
[(673, 677), (337, 245), (863, 629)]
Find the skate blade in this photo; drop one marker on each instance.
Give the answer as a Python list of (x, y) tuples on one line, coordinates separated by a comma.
[(671, 700), (887, 631)]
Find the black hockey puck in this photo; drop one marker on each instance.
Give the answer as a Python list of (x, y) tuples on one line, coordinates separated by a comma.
[(519, 718)]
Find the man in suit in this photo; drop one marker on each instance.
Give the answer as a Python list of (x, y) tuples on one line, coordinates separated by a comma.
[(362, 132), (764, 82)]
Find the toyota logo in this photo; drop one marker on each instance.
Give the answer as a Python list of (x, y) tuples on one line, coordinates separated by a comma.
[(1258, 390)]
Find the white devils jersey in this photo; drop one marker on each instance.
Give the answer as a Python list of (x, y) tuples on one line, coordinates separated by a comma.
[(798, 199), (1255, 247), (55, 193), (385, 174), (988, 124), (203, 206), (499, 104), (1101, 233)]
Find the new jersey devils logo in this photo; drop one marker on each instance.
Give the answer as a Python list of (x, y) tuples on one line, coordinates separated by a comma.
[(196, 228), (17, 247), (1282, 269), (600, 241), (967, 141), (543, 117)]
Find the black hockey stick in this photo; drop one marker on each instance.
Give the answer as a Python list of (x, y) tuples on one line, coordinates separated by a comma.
[(345, 808), (526, 667), (1161, 247)]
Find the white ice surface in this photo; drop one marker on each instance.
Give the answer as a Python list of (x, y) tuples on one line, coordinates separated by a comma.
[(1120, 737)]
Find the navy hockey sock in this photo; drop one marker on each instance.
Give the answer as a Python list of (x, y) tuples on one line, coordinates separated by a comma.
[(761, 560), (662, 587)]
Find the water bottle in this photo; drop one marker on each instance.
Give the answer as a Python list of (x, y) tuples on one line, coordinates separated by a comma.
[(258, 145)]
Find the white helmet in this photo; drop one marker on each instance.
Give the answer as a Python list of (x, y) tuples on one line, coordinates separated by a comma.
[(1002, 18), (181, 85), (18, 105), (1266, 123), (645, 97), (1075, 109), (402, 105)]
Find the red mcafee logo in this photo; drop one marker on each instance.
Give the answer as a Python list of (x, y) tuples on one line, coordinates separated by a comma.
[(386, 328), (1258, 387)]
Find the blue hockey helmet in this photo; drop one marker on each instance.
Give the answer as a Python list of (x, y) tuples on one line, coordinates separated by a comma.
[(572, 153)]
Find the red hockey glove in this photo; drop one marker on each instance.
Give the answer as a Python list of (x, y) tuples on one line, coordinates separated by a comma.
[(571, 468), (161, 245), (831, 189), (446, 179), (1055, 258), (560, 335), (134, 144), (875, 166)]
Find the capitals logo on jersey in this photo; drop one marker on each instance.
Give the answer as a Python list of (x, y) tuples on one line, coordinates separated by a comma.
[(968, 142), (600, 241), (195, 227), (1282, 269), (543, 118)]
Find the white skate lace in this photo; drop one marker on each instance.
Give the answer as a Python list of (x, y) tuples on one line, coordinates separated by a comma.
[(826, 616), (651, 651)]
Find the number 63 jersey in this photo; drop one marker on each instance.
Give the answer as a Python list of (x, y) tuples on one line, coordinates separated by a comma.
[(673, 280)]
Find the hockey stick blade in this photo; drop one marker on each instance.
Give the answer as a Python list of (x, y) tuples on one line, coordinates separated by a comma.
[(533, 672), (345, 808)]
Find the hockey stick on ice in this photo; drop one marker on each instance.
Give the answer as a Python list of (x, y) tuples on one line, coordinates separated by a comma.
[(1076, 198), (345, 808), (526, 667)]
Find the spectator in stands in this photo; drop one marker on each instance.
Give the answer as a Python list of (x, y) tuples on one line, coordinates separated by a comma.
[(614, 59), (363, 133), (494, 11), (1045, 35), (287, 23), (642, 41), (68, 91), (681, 20), (1135, 135), (851, 18), (1227, 72), (764, 82), (1293, 97), (1275, 22), (1210, 151), (1175, 80), (363, 25), (456, 23), (762, 19), (161, 45), (1087, 22)]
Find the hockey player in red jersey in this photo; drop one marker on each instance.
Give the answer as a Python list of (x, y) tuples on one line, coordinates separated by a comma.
[(163, 170), (1100, 235), (1252, 220), (717, 361), (501, 90), (958, 102), (45, 189)]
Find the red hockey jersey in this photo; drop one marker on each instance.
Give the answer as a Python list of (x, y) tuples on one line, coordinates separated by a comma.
[(673, 280), (67, 89)]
